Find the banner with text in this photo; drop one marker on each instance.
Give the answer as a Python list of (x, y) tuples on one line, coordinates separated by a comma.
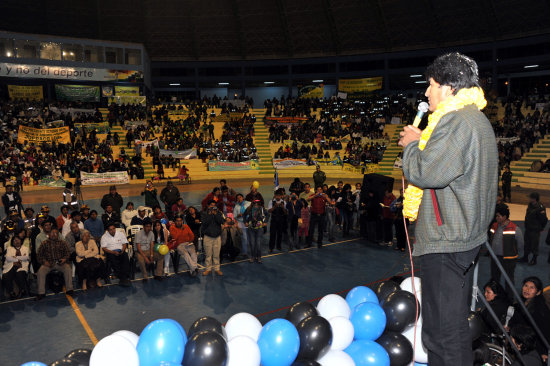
[(311, 91), (227, 117), (127, 91), (283, 120), (216, 165), (288, 163), (74, 93), (179, 154), (68, 73), (144, 144), (104, 178), (26, 92), (39, 135), (359, 88), (133, 124), (100, 127)]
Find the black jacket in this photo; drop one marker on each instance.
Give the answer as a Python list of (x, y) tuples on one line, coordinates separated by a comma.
[(212, 223)]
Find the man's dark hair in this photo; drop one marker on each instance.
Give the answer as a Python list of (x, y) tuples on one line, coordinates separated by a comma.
[(224, 189), (111, 224), (223, 181), (455, 70), (211, 202), (215, 189), (503, 210), (93, 212), (239, 194)]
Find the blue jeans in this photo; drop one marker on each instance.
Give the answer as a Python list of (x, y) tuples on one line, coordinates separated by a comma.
[(244, 240), (254, 239), (446, 285)]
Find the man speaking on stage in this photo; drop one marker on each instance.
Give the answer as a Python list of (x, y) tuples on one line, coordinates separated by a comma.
[(452, 170)]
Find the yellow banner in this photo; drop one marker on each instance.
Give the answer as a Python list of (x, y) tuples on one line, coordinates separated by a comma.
[(26, 92), (39, 135), (127, 90), (311, 91), (359, 86)]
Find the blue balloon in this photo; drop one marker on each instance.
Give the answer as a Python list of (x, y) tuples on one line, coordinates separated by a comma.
[(420, 364), (162, 341), (368, 353), (279, 343), (359, 295), (369, 321), (34, 363)]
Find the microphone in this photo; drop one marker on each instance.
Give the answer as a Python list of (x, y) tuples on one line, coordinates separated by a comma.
[(422, 108)]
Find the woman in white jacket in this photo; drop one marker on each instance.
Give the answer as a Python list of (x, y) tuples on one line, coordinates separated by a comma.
[(16, 268), (128, 213)]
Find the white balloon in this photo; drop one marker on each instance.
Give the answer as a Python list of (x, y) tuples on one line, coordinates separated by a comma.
[(114, 350), (342, 333), (243, 324), (243, 351), (420, 352), (407, 285), (332, 306), (336, 358), (131, 336)]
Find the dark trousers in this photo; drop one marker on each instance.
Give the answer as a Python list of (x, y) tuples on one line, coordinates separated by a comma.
[(531, 239), (276, 231), (293, 233), (400, 233), (90, 269), (347, 217), (509, 266), (388, 230), (254, 242), (507, 192), (319, 221), (446, 286), (371, 231), (19, 277), (120, 264)]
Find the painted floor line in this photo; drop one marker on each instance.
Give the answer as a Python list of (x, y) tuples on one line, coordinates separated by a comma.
[(82, 320)]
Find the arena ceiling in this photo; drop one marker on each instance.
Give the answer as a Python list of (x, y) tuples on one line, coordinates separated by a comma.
[(260, 29)]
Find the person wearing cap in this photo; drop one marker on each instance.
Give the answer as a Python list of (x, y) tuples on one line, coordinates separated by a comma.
[(63, 217), (85, 211), (11, 199), (114, 244), (128, 214), (535, 221), (94, 226), (146, 255), (112, 198), (45, 210), (29, 219), (76, 217), (53, 254), (212, 221), (150, 193), (8, 231), (14, 216), (140, 217)]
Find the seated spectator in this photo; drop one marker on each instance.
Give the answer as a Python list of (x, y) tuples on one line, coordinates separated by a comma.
[(76, 217), (95, 226), (110, 216), (16, 268), (73, 236), (158, 214), (193, 220), (53, 254), (128, 214), (85, 211), (184, 238), (179, 208), (89, 264), (146, 256), (162, 237), (140, 217), (525, 340), (114, 244), (496, 297)]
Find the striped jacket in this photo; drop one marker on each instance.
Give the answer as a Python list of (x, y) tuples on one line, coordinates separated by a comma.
[(509, 243)]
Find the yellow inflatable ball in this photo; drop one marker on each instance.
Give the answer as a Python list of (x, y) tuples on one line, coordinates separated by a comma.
[(163, 249), (256, 184)]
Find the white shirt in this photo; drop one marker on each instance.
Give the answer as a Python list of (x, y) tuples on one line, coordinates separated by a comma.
[(127, 216), (113, 242), (67, 227)]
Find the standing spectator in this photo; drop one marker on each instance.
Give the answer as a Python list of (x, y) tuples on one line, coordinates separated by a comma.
[(114, 244), (231, 191), (317, 216), (162, 237), (507, 242), (254, 195), (255, 220), (150, 193), (535, 221), (372, 217), (507, 184), (226, 202), (89, 265), (212, 196), (304, 195), (303, 226), (212, 221), (146, 256), (388, 217), (63, 217), (184, 237), (94, 226), (346, 205), (294, 209), (231, 240), (238, 214), (11, 199), (169, 196), (319, 177), (297, 186), (128, 214), (330, 212), (16, 267), (279, 220), (69, 198), (45, 210), (53, 254), (112, 198)]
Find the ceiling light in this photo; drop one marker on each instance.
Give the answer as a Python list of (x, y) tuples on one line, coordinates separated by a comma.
[(175, 84), (317, 81), (269, 82), (421, 82), (530, 66), (416, 76), (223, 83)]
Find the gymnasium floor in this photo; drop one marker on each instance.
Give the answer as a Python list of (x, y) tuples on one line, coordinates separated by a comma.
[(47, 330)]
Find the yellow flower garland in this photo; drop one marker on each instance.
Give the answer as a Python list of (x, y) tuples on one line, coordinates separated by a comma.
[(413, 195)]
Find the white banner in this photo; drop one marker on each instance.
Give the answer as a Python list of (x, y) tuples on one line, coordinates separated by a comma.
[(288, 163), (147, 143), (104, 178), (72, 111), (68, 73), (503, 140), (179, 154)]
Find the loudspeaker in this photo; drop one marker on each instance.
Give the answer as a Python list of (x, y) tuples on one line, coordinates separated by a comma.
[(376, 183)]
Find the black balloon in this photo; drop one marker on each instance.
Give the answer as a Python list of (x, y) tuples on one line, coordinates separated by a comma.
[(204, 324), (300, 311), (80, 356), (205, 349), (400, 309), (306, 363), (476, 324), (315, 337), (64, 361), (399, 348), (385, 289)]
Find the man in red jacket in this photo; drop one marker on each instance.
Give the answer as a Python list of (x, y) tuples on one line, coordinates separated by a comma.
[(184, 237), (317, 217)]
